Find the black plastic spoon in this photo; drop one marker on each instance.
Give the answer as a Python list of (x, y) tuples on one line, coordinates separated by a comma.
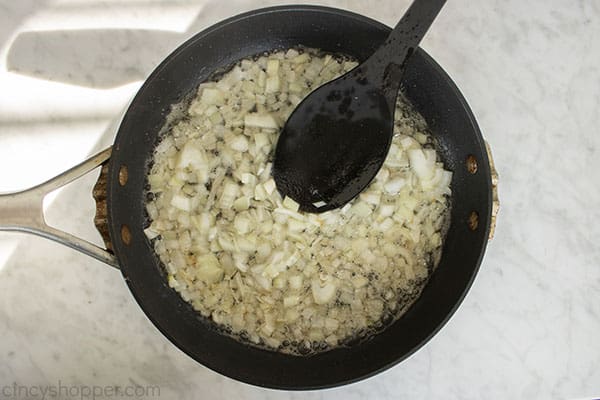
[(336, 140)]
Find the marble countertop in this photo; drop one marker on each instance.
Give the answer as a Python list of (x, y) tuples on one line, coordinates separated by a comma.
[(528, 329)]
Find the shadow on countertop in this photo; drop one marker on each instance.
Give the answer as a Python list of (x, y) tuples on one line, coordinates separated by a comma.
[(108, 58), (94, 58)]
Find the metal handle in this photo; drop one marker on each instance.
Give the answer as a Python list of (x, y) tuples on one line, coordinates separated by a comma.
[(23, 211)]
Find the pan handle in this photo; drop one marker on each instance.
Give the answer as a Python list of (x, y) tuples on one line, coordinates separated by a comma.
[(495, 199), (23, 211)]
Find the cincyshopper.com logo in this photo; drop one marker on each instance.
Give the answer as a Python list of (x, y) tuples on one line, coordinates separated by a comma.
[(68, 392)]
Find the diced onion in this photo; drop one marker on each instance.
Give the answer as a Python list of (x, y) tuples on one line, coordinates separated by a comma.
[(290, 204), (261, 121), (252, 261), (212, 96), (182, 203), (323, 294)]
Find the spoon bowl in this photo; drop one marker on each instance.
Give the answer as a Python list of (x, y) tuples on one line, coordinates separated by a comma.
[(338, 137), (343, 133)]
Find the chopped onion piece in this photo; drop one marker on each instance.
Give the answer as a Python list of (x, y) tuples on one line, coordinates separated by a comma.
[(270, 187), (248, 179), (296, 282), (242, 204), (150, 233), (407, 142), (302, 58), (272, 84), (359, 281), (422, 163), (393, 187), (361, 209), (230, 191), (242, 224), (291, 301), (208, 269), (386, 210), (261, 121), (289, 213), (272, 67), (290, 204), (173, 282), (212, 96), (296, 226), (295, 87), (260, 193), (371, 197), (263, 281), (261, 140), (191, 155), (240, 143), (182, 203), (323, 294), (383, 175)]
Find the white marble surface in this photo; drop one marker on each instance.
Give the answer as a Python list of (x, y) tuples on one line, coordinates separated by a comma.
[(528, 329)]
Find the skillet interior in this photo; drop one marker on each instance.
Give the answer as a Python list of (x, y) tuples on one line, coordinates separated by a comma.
[(433, 94)]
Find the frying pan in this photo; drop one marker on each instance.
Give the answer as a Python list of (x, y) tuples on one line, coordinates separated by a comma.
[(120, 195)]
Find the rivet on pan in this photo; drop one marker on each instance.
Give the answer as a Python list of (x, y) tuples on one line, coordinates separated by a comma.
[(125, 235), (473, 221), (123, 175), (471, 164)]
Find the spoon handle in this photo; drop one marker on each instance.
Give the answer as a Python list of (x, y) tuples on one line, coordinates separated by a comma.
[(387, 64)]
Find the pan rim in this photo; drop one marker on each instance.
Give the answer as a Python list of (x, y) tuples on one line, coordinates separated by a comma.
[(485, 171)]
